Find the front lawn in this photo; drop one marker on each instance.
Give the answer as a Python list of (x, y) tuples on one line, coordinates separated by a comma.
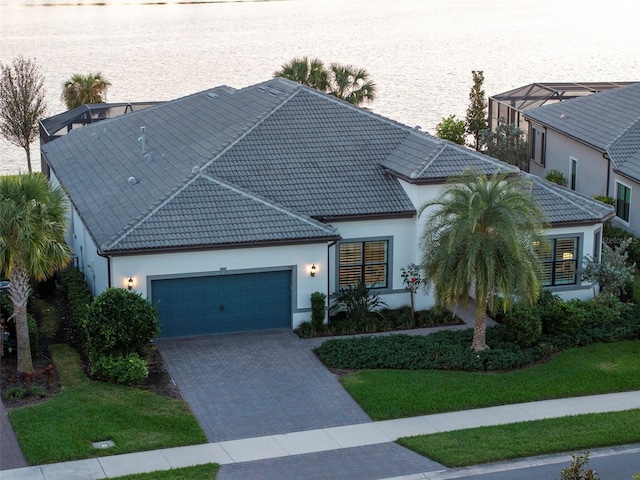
[(200, 472), (525, 439), (87, 411), (595, 369)]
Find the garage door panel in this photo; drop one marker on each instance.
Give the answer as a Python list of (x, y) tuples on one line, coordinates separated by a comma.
[(223, 303)]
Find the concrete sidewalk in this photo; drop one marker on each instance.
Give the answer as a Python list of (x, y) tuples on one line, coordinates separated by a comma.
[(298, 445)]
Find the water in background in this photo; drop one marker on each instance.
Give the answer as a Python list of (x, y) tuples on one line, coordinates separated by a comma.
[(419, 52)]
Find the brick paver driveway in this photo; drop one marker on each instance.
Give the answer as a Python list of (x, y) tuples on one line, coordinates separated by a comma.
[(254, 384)]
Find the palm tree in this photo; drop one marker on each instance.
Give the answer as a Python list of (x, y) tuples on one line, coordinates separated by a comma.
[(482, 236), (351, 84), (83, 89), (32, 226), (307, 72)]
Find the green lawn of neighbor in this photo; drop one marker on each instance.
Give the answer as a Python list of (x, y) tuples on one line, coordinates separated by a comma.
[(200, 472)]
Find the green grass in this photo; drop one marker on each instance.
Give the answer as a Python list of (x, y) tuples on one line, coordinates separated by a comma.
[(492, 444), (86, 411), (199, 472), (598, 368)]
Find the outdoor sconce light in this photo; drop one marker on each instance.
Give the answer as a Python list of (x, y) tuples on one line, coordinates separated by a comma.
[(312, 272), (130, 283)]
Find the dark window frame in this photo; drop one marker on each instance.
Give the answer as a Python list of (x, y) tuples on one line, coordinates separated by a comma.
[(559, 267), (364, 263), (623, 205)]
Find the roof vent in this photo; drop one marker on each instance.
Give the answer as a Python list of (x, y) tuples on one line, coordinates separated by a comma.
[(147, 157), (195, 169), (417, 127), (271, 91), (213, 95), (143, 140), (132, 180), (94, 136)]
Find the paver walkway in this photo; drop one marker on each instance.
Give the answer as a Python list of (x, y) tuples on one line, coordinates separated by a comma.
[(10, 454)]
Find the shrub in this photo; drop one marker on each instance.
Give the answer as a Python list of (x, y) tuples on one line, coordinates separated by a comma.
[(577, 469), (78, 295), (613, 236), (605, 199), (317, 309), (119, 322), (15, 393), (357, 301), (523, 325), (128, 370), (48, 317), (38, 391), (557, 177), (558, 317), (306, 330)]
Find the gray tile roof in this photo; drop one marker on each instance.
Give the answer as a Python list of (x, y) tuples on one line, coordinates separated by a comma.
[(607, 121), (257, 165), (564, 206)]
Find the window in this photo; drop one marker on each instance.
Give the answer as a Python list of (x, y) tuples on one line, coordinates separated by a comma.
[(623, 202), (367, 260), (574, 173), (597, 245), (559, 262), (537, 146)]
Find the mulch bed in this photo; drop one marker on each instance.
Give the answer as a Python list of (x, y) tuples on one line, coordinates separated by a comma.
[(44, 381)]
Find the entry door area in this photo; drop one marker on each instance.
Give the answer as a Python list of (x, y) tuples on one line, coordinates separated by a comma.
[(222, 303)]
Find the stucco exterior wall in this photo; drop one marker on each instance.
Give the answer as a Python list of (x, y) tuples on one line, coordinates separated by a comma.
[(299, 258), (633, 225)]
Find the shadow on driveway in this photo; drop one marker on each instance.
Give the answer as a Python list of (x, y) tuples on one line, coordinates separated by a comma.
[(253, 384)]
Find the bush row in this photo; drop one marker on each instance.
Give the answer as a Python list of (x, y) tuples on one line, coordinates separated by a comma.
[(385, 320), (449, 350), (78, 294), (613, 236)]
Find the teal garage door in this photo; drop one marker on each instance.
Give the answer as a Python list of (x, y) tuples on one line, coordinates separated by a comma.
[(222, 303)]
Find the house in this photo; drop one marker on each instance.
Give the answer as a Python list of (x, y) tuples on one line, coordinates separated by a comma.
[(229, 208), (595, 142), (511, 105)]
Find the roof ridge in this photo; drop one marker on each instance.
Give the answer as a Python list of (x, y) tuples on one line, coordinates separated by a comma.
[(612, 144), (424, 165), (140, 219), (264, 201)]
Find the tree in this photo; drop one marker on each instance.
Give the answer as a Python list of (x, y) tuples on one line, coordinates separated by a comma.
[(351, 84), (506, 143), (451, 129), (480, 235), (477, 111), (32, 246), (612, 272), (22, 103), (307, 72), (346, 82), (83, 89)]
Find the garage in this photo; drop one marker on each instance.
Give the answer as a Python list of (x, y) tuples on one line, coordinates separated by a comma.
[(201, 305)]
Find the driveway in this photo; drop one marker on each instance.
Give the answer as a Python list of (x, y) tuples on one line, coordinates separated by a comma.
[(259, 383)]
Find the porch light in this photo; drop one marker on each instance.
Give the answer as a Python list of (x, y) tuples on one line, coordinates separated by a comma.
[(130, 283), (312, 272)]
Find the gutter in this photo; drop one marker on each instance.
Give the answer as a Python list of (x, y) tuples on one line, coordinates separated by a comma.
[(606, 157)]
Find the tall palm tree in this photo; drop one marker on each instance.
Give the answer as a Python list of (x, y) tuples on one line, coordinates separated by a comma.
[(481, 235), (32, 226), (351, 84), (82, 89), (307, 72)]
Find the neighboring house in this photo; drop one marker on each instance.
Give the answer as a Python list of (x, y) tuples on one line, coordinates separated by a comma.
[(229, 208), (595, 142), (511, 105)]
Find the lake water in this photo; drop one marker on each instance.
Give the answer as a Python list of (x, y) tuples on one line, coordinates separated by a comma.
[(419, 52)]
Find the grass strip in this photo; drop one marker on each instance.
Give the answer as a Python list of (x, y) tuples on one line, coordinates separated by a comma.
[(525, 439), (207, 471), (591, 370), (87, 411)]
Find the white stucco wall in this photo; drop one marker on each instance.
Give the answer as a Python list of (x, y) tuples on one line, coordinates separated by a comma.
[(633, 225), (299, 258), (592, 166)]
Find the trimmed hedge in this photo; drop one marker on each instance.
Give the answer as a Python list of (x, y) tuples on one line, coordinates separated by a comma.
[(78, 295), (449, 350)]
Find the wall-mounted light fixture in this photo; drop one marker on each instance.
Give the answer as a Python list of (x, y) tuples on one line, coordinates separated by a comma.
[(130, 283), (312, 272)]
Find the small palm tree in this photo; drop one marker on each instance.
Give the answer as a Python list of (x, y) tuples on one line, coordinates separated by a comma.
[(32, 226), (481, 236), (351, 84), (307, 72), (83, 89)]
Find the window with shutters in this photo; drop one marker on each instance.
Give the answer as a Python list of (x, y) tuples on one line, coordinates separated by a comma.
[(368, 260), (559, 262)]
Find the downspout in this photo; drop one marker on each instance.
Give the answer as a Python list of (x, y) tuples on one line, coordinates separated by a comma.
[(108, 267), (329, 278), (608, 170)]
